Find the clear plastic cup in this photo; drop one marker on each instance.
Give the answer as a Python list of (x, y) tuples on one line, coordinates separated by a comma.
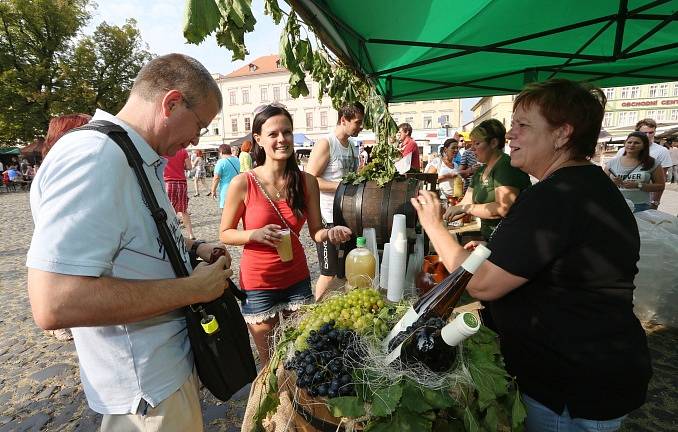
[(284, 248)]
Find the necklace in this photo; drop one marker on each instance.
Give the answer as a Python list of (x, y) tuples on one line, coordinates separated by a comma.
[(278, 192)]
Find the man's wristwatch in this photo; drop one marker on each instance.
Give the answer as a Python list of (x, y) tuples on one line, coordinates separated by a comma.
[(195, 245), (640, 186)]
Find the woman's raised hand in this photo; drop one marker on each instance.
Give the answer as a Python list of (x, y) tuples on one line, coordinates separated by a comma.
[(427, 206), (268, 235), (339, 234)]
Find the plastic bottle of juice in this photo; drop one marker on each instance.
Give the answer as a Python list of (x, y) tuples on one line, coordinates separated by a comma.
[(360, 266)]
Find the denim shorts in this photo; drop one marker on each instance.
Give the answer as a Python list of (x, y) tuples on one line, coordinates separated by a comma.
[(260, 305), (542, 419)]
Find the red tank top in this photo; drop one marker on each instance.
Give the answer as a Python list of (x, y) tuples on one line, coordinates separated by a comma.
[(175, 166), (260, 265)]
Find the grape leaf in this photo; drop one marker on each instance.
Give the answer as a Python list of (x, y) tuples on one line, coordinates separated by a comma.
[(470, 421), (403, 420), (384, 401), (346, 406), (272, 8), (201, 18), (518, 413), (491, 420)]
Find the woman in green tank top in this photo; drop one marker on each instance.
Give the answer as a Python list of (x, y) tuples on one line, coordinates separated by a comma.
[(495, 185)]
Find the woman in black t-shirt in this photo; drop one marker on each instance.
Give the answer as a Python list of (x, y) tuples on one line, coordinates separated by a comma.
[(560, 277)]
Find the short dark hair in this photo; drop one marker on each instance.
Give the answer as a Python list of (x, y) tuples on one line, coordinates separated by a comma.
[(180, 72), (225, 149), (488, 130), (350, 111), (646, 122), (562, 101), (406, 127)]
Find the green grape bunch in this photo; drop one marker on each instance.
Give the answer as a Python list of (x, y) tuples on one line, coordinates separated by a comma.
[(358, 310)]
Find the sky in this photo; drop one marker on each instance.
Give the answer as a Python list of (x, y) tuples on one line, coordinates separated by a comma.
[(161, 25)]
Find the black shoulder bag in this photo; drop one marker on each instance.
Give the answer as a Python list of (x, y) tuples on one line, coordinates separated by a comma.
[(223, 356)]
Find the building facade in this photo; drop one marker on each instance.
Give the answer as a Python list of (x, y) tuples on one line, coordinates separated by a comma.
[(264, 80), (625, 106)]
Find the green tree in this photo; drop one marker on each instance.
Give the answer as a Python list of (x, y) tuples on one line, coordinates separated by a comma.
[(34, 39), (102, 68)]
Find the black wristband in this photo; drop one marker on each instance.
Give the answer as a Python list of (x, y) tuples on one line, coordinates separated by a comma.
[(194, 247)]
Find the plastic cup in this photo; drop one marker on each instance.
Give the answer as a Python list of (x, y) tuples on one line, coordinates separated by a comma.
[(284, 248)]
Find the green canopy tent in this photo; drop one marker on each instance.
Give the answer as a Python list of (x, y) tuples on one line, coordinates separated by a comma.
[(440, 49)]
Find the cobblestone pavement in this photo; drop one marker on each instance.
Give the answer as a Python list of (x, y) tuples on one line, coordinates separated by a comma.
[(39, 382)]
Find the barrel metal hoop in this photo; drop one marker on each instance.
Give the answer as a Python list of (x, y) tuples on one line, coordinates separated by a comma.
[(314, 421), (385, 201)]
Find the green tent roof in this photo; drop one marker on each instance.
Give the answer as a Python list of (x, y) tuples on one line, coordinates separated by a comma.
[(439, 49)]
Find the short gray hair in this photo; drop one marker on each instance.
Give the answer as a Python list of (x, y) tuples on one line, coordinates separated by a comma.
[(176, 71)]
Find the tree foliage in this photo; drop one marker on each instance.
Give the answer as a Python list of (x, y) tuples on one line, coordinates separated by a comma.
[(47, 68)]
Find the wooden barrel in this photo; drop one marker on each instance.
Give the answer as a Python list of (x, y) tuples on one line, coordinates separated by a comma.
[(366, 205)]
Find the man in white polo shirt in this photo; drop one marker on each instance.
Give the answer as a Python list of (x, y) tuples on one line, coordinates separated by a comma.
[(648, 126), (96, 263)]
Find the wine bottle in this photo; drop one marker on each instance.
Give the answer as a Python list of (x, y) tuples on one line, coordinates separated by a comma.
[(435, 345), (438, 302)]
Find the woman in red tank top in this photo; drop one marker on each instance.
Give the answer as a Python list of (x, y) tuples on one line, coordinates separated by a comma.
[(273, 196)]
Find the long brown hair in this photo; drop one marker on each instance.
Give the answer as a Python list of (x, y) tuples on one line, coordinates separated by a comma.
[(294, 178), (644, 157)]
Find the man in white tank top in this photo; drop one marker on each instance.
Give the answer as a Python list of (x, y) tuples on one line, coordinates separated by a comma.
[(330, 159)]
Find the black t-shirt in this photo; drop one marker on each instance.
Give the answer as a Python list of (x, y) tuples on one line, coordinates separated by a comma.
[(569, 334)]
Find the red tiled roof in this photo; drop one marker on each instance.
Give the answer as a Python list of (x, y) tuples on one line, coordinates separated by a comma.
[(261, 65)]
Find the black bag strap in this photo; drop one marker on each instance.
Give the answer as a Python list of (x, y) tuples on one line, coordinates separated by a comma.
[(119, 135)]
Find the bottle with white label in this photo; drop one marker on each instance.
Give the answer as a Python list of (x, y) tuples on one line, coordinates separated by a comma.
[(437, 347), (438, 302)]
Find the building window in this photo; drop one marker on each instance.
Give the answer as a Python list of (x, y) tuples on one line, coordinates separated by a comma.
[(628, 118), (609, 93), (276, 93), (651, 114), (234, 125), (288, 96), (215, 131), (674, 115), (245, 96), (248, 126), (661, 115), (409, 120), (253, 67), (675, 90), (310, 90), (625, 92), (663, 90), (607, 120), (309, 120), (428, 123), (323, 119), (635, 92), (264, 94), (231, 97)]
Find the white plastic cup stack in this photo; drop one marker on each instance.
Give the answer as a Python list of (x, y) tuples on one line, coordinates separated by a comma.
[(397, 261), (383, 273), (399, 227), (370, 235)]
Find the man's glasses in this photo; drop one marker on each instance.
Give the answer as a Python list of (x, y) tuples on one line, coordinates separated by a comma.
[(261, 108), (203, 130)]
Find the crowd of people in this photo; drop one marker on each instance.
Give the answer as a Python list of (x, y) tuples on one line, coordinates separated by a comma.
[(557, 288)]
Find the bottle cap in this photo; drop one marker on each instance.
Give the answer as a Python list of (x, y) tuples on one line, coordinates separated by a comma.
[(464, 325), (361, 242), (479, 254), (210, 325)]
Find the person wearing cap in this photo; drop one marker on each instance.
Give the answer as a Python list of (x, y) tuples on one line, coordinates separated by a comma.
[(559, 279)]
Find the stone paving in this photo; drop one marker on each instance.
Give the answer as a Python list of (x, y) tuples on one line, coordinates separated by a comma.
[(39, 381)]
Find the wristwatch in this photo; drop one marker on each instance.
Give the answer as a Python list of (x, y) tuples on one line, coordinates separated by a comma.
[(195, 245), (640, 185)]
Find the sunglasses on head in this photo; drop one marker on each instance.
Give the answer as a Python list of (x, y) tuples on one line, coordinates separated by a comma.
[(261, 108)]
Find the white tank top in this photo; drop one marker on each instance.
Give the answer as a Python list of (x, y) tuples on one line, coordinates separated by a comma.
[(342, 160)]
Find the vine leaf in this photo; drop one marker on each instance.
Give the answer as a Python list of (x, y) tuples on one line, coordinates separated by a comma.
[(403, 420), (346, 406), (385, 401), (271, 8), (201, 17)]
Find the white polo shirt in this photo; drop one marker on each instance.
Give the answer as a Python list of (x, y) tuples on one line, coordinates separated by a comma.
[(91, 220)]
